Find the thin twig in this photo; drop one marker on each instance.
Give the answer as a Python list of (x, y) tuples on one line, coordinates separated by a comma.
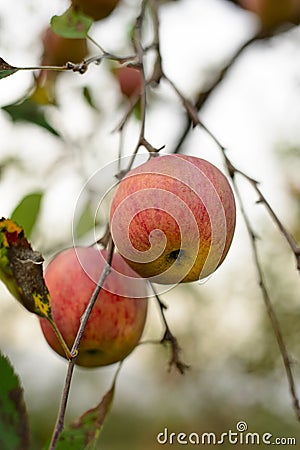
[(269, 307), (137, 42), (262, 199), (204, 95), (84, 319), (169, 338)]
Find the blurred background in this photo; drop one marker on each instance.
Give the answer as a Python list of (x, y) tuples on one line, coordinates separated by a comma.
[(49, 155)]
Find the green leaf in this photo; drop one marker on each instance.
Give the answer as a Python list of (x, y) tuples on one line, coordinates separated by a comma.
[(29, 111), (14, 429), (27, 211), (84, 433), (6, 69), (89, 98), (72, 24)]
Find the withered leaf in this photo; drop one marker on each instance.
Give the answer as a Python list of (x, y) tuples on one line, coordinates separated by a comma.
[(21, 269)]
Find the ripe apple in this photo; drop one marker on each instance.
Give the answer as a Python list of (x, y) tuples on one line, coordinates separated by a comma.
[(130, 80), (118, 317), (97, 9), (173, 218), (273, 13)]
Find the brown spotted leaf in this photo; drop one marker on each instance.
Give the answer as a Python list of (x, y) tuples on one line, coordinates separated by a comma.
[(21, 269)]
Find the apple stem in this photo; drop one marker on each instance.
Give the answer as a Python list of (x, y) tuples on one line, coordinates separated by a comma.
[(60, 338)]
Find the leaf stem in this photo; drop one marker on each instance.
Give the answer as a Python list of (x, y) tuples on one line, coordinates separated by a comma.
[(60, 338)]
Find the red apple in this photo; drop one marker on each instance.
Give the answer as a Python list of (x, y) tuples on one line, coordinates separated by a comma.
[(173, 218), (273, 13), (97, 9), (130, 80), (118, 317)]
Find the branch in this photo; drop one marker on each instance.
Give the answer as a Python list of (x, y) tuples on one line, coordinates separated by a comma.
[(203, 96), (83, 322), (262, 199), (169, 338), (269, 307)]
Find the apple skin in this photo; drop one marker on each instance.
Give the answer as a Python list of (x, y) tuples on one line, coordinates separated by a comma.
[(173, 218), (97, 9), (118, 317), (130, 80), (58, 50), (273, 13)]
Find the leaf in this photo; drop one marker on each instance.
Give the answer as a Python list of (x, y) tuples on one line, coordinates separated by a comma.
[(27, 211), (21, 269), (14, 429), (72, 24), (6, 69), (88, 98), (29, 111), (84, 433)]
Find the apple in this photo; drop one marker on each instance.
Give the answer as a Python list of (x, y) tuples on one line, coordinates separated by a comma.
[(130, 80), (273, 13), (118, 317), (57, 51), (97, 9), (173, 218)]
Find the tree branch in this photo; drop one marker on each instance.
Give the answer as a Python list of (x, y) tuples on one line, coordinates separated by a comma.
[(269, 307), (169, 338), (83, 322)]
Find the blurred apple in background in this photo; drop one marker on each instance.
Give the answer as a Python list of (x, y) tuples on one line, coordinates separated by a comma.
[(130, 80), (97, 9), (118, 317), (57, 51)]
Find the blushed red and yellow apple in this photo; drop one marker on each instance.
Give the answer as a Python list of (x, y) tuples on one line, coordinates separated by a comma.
[(118, 317), (173, 218)]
